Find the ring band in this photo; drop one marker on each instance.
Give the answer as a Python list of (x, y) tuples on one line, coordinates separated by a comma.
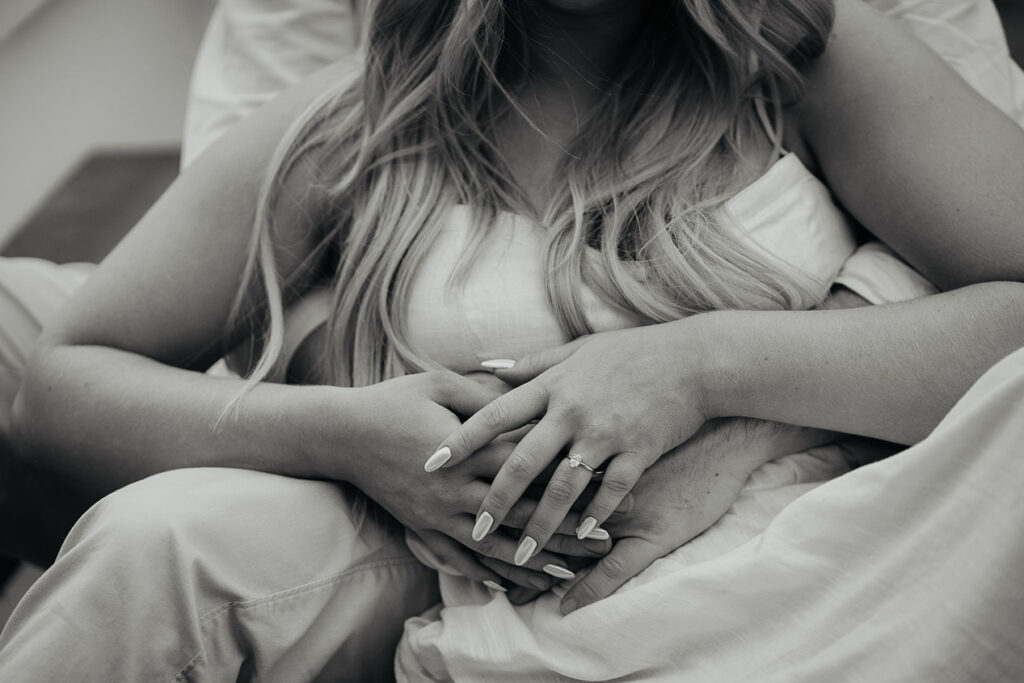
[(576, 460)]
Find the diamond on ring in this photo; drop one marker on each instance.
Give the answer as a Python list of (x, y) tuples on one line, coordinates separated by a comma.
[(576, 460)]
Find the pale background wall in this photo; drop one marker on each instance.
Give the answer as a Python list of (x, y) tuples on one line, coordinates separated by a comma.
[(82, 74)]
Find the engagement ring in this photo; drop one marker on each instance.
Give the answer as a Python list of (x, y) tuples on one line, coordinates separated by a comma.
[(576, 460)]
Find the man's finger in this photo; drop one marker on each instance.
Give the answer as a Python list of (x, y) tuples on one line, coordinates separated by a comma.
[(628, 558)]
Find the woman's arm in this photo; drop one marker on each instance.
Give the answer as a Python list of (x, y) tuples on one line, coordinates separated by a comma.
[(890, 372), (937, 173), (116, 391)]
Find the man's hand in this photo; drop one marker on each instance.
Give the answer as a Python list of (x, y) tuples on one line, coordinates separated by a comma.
[(686, 491)]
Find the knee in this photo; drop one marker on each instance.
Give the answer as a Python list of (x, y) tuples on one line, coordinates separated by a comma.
[(146, 517), (232, 517)]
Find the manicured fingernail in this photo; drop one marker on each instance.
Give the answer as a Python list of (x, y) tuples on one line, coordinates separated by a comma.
[(524, 551), (599, 534), (438, 459), (568, 606), (585, 527), (498, 364), (482, 526), (558, 572), (495, 586)]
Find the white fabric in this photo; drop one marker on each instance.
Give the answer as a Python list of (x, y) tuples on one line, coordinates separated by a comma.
[(878, 275), (252, 50), (500, 310)]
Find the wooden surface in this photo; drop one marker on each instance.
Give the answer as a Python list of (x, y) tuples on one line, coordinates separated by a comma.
[(95, 206)]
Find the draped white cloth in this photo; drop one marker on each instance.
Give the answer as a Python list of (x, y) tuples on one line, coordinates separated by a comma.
[(911, 568)]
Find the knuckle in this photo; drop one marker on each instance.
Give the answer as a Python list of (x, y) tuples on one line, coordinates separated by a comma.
[(572, 410), (519, 465), (587, 592), (496, 500), (560, 492), (618, 484), (497, 414), (459, 441), (613, 567)]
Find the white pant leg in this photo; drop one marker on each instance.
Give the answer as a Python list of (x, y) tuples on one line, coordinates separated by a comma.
[(32, 291), (214, 574), (35, 510)]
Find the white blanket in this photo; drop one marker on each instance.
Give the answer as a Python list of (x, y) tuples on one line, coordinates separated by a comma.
[(909, 569)]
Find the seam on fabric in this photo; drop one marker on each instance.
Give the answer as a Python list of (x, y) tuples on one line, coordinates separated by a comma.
[(290, 592)]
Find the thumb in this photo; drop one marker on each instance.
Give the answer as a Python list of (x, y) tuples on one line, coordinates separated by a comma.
[(532, 364), (462, 395), (627, 558)]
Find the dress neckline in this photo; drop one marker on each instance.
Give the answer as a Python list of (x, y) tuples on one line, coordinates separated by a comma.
[(788, 161)]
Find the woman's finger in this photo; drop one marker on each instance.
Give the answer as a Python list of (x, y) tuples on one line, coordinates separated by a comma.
[(621, 475), (518, 595), (529, 366), (529, 458), (504, 414), (521, 513), (501, 546), (520, 576), (570, 546), (562, 542), (460, 394), (487, 462), (628, 558), (453, 555), (570, 479)]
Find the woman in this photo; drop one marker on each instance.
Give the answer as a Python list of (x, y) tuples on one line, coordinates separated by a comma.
[(381, 168)]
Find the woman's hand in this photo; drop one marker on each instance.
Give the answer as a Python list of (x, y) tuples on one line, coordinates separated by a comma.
[(615, 400), (389, 425)]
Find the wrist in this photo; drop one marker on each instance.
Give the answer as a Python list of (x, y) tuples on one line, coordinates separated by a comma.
[(718, 354), (324, 423)]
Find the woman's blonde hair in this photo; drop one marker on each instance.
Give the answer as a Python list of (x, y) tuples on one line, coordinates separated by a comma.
[(413, 135)]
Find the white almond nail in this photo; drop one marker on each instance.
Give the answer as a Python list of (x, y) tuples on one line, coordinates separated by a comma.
[(585, 527), (558, 572), (525, 551), (495, 586), (498, 364), (438, 459), (482, 526), (599, 535)]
